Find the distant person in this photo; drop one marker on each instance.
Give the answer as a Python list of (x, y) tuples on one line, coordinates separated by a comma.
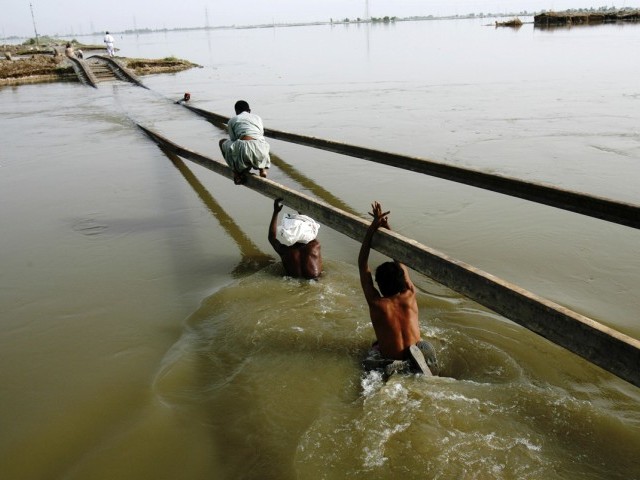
[(393, 311), (108, 40), (298, 248), (68, 51), (79, 54), (184, 99), (246, 147)]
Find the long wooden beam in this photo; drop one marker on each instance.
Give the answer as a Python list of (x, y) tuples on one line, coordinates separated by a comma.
[(593, 206), (597, 343)]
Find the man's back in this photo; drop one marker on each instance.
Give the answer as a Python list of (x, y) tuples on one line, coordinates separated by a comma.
[(393, 309), (302, 260), (245, 124), (395, 321)]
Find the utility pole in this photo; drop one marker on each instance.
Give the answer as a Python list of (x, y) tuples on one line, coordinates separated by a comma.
[(34, 24)]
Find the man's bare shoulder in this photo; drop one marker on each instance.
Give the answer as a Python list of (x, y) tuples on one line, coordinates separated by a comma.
[(408, 297)]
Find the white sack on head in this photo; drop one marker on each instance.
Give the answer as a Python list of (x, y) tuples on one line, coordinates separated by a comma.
[(297, 228)]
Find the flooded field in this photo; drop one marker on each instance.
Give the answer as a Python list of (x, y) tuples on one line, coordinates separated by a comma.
[(146, 328)]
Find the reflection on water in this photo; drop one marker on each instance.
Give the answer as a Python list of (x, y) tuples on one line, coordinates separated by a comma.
[(311, 186), (252, 259)]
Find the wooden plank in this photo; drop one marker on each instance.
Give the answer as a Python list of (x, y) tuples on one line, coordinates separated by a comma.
[(593, 206), (611, 350)]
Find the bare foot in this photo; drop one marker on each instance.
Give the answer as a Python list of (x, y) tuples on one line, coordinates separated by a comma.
[(263, 173), (239, 178)]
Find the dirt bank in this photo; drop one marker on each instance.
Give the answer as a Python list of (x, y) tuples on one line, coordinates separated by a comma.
[(37, 68), (148, 66), (21, 65), (568, 18)]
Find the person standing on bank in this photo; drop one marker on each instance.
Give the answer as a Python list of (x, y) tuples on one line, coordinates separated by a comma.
[(108, 40), (246, 147), (68, 51), (393, 311), (299, 249)]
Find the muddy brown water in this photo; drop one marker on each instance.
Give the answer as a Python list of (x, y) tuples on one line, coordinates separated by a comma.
[(147, 332)]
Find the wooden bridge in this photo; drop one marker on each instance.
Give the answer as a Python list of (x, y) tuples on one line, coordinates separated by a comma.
[(601, 345)]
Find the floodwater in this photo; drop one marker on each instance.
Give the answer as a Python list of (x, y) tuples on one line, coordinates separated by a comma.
[(147, 332)]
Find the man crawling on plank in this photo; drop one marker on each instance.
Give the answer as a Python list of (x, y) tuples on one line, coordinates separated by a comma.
[(246, 147)]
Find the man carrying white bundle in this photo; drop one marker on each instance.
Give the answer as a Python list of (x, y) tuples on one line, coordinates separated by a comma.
[(295, 241)]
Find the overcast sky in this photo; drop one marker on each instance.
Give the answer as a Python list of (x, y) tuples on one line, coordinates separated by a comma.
[(80, 17)]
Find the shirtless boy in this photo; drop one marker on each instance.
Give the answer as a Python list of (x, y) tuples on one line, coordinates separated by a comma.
[(394, 309)]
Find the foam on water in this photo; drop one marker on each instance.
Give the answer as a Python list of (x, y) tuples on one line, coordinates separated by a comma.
[(486, 417)]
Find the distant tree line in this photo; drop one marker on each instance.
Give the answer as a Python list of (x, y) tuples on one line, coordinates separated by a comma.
[(385, 19)]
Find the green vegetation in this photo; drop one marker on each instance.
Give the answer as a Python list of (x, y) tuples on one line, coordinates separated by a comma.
[(383, 19), (48, 41)]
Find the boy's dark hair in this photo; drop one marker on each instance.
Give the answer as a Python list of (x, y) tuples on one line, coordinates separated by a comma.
[(241, 106), (390, 279)]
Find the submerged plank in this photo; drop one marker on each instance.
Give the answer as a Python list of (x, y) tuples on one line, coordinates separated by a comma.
[(601, 345)]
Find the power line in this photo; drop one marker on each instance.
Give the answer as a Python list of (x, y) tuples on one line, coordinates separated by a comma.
[(34, 24)]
